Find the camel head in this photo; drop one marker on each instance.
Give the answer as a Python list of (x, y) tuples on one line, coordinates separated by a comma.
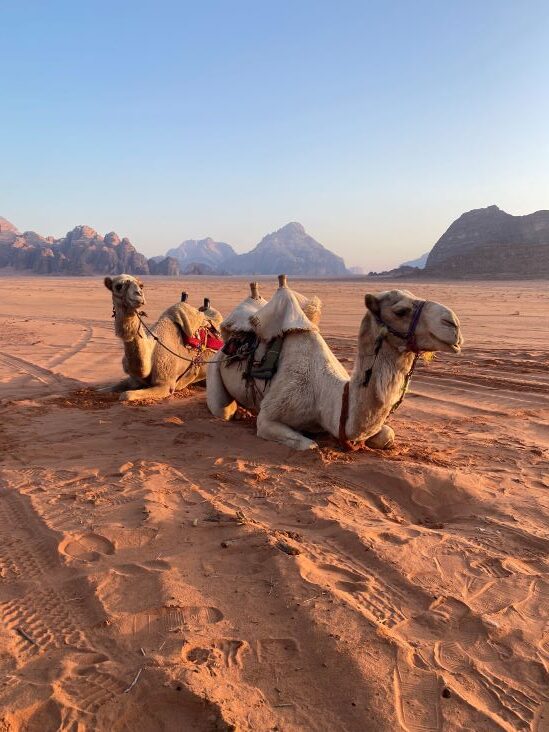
[(127, 291), (413, 324)]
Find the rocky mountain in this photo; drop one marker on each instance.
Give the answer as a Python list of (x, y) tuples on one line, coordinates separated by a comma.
[(488, 242), (6, 227), (420, 262), (81, 252), (290, 250), (212, 254), (167, 266)]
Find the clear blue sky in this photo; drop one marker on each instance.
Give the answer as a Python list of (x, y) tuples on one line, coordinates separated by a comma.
[(374, 124)]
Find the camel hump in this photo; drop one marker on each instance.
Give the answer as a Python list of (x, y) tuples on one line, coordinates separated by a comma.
[(238, 320), (189, 319), (282, 314), (213, 316), (311, 306)]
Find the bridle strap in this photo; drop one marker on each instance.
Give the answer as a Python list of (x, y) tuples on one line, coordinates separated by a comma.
[(343, 441), (410, 335), (411, 345)]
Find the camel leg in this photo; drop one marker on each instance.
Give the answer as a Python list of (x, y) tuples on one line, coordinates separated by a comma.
[(161, 391), (278, 432), (193, 376), (382, 440), (124, 385), (220, 402)]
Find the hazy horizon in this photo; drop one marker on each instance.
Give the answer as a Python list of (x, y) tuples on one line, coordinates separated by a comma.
[(374, 125)]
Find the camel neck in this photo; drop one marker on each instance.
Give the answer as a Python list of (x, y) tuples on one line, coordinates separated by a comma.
[(126, 324), (369, 405), (138, 346)]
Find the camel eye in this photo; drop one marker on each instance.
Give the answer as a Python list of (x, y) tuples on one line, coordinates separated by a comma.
[(401, 312), (118, 286)]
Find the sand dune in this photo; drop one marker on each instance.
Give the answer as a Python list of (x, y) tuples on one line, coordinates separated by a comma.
[(162, 570)]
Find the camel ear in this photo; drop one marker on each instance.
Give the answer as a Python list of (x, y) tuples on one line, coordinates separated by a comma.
[(108, 283), (372, 303)]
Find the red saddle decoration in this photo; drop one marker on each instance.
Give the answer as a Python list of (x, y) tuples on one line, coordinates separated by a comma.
[(205, 338)]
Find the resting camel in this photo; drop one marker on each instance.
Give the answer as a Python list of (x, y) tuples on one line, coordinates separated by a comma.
[(153, 370), (312, 392)]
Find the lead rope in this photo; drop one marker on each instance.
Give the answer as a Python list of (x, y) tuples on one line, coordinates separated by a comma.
[(197, 360)]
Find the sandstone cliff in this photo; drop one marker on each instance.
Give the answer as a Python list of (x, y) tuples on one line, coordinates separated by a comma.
[(488, 242)]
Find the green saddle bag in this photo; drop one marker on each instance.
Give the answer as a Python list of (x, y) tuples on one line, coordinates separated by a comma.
[(268, 365)]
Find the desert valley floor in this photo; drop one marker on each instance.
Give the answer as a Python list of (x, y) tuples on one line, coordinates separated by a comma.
[(163, 570)]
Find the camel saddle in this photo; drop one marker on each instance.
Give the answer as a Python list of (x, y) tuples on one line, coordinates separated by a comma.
[(204, 338), (244, 346)]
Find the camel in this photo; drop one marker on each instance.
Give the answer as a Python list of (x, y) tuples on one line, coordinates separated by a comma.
[(154, 372), (311, 391)]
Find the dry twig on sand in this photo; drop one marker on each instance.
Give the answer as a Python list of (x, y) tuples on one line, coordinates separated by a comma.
[(134, 682)]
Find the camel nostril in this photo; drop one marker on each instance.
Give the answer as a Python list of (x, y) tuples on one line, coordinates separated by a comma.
[(447, 321)]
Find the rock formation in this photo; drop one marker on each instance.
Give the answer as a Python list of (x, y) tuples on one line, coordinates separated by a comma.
[(488, 242), (81, 252), (167, 266), (193, 252), (290, 250)]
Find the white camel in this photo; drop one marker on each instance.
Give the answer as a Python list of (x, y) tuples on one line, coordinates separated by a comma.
[(160, 362), (312, 392)]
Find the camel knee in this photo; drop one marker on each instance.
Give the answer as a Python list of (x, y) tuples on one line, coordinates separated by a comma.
[(382, 440), (278, 432)]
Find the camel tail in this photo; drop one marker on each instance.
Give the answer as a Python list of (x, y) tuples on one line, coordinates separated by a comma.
[(220, 402)]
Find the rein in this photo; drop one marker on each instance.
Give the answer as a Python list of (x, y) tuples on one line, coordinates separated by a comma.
[(196, 361), (411, 345)]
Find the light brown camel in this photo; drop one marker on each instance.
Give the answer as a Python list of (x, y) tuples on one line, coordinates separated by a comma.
[(154, 370), (311, 391)]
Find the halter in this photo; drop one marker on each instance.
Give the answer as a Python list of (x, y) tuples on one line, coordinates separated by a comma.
[(410, 336), (411, 345)]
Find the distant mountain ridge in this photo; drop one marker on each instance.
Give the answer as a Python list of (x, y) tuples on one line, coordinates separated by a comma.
[(485, 243), (290, 250), (419, 262), (82, 251), (193, 252), (488, 242)]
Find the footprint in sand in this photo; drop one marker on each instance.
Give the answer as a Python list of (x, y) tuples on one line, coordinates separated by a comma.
[(417, 697), (162, 620), (224, 652), (86, 547)]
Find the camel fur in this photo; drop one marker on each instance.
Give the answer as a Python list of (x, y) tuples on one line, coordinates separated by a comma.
[(305, 395), (154, 372)]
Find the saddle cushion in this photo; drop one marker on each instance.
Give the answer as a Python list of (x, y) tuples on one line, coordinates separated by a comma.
[(204, 338)]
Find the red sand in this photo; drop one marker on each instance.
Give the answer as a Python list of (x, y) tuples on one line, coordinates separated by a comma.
[(145, 544)]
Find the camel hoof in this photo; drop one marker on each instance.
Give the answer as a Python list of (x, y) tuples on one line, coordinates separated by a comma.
[(383, 440)]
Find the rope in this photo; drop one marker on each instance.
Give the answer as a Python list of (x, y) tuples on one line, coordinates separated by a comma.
[(157, 339), (195, 360)]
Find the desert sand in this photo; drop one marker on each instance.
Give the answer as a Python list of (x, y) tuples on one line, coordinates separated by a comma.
[(163, 570)]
